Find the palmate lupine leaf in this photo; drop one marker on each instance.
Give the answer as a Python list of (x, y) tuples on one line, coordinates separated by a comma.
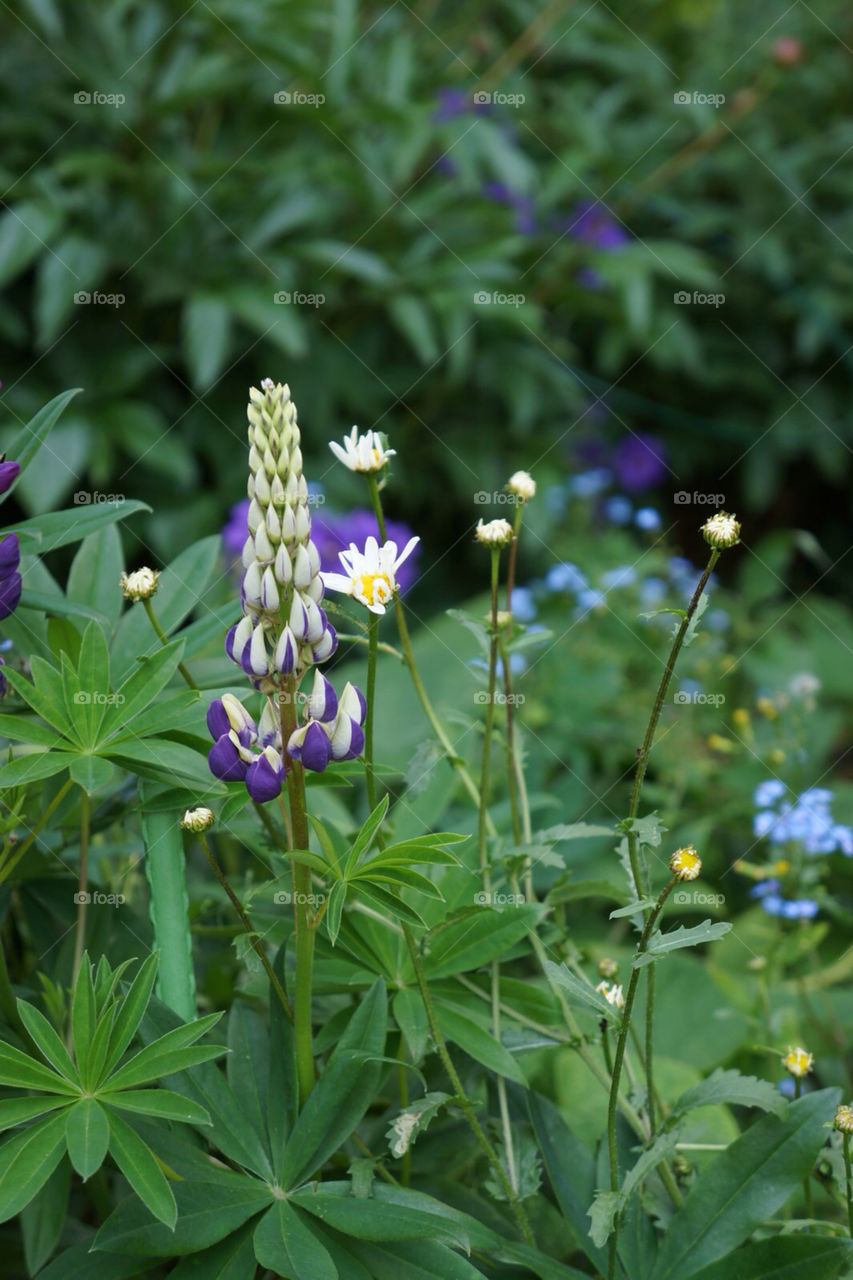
[(91, 1085)]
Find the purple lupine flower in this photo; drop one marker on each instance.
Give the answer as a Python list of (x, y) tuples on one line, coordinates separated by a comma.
[(9, 472), (323, 702), (640, 462), (236, 530), (265, 776), (347, 738), (593, 224), (225, 760), (310, 745), (10, 580), (451, 103)]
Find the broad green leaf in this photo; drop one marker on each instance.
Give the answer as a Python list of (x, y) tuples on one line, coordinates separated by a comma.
[(730, 1087), (131, 1012), (90, 772), (44, 1217), (157, 1102), (94, 575), (44, 693), (143, 686), (247, 1064), (661, 944), (633, 908), (83, 1017), (231, 1259), (400, 877), (744, 1186), (20, 1071), (77, 1263), (173, 1052), (93, 668), (206, 328), (23, 729), (785, 1257), (411, 1018), (168, 907), (56, 606), (334, 910), (373, 1220), (567, 890), (386, 902), (27, 1161), (25, 230), (139, 1166), (25, 445), (34, 767), (58, 528), (413, 1260), (457, 1026), (15, 1111), (607, 1205), (47, 1041), (580, 993), (571, 1172), (479, 934), (287, 1246), (209, 1209), (159, 758), (364, 839), (87, 1133)]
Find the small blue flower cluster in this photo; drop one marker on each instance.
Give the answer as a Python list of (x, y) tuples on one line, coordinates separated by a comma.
[(807, 820), (775, 905)]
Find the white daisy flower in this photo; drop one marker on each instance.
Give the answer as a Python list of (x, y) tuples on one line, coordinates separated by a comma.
[(365, 453), (370, 575)]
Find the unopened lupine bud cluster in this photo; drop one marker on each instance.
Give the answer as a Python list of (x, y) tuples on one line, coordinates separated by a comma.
[(284, 630)]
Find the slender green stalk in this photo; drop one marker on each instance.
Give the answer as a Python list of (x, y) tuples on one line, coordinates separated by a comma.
[(370, 775), (619, 1059), (807, 1187), (254, 940), (455, 760), (12, 861), (848, 1179), (512, 782), (164, 639), (82, 885), (354, 638), (461, 1098), (303, 1035), (605, 1047)]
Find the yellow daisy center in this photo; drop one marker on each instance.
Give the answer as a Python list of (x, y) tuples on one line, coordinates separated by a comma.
[(373, 588)]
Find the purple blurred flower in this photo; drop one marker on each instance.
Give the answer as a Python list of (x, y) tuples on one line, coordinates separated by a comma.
[(589, 278), (451, 103), (9, 472), (640, 462), (593, 224), (525, 210), (447, 166), (236, 530), (10, 579)]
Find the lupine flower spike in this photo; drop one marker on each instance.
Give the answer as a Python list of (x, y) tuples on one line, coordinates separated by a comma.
[(284, 629)]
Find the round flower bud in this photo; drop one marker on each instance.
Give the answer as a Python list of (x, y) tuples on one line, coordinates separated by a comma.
[(497, 533), (139, 585), (197, 819), (844, 1117), (799, 1062), (607, 967), (721, 531), (685, 863), (522, 484)]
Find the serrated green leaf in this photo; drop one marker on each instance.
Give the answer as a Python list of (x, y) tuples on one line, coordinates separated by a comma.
[(607, 1205), (661, 944), (731, 1088), (580, 993)]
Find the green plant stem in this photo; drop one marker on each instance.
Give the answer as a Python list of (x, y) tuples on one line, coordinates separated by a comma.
[(455, 760), (619, 1058), (511, 773), (650, 1047), (848, 1180), (353, 638), (303, 1035), (82, 882), (11, 862), (605, 1046), (403, 1087), (370, 775), (164, 639), (461, 1098), (254, 940), (807, 1188)]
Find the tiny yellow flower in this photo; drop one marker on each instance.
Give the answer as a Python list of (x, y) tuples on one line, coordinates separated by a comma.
[(522, 484), (139, 585), (799, 1062), (497, 533), (777, 756), (782, 867), (844, 1117), (685, 863), (721, 531), (717, 742), (741, 717)]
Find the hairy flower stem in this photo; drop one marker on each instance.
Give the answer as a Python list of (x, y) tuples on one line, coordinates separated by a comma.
[(619, 1059), (455, 760), (254, 940), (164, 639), (848, 1180), (640, 878), (301, 913), (82, 881), (461, 1098), (12, 861), (370, 775)]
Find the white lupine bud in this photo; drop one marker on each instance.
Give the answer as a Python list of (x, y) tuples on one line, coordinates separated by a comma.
[(269, 592), (252, 584), (288, 525), (277, 494), (255, 516), (283, 565), (242, 637), (302, 574), (316, 622), (254, 463), (313, 557), (315, 589), (263, 547), (262, 488), (248, 552), (273, 525), (258, 660), (302, 523), (269, 462)]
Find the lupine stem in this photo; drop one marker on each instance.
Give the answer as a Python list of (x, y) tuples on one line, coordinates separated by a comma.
[(461, 1098), (619, 1059), (848, 1177), (82, 880), (164, 639), (254, 940), (455, 761), (302, 892)]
